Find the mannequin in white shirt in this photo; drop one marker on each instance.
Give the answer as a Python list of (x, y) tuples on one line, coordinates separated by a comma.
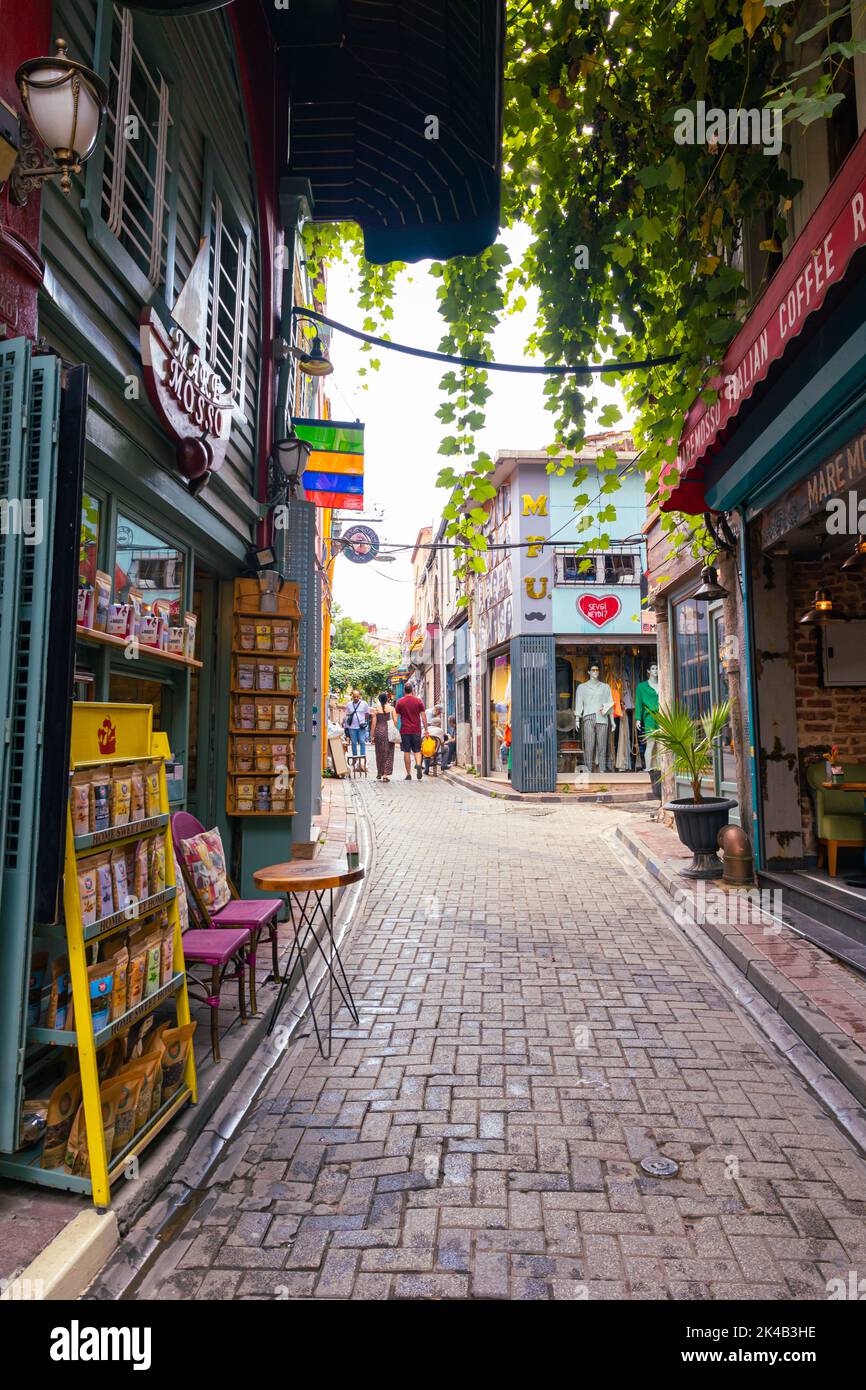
[(593, 705)]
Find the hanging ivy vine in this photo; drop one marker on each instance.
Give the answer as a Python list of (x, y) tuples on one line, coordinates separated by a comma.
[(637, 237)]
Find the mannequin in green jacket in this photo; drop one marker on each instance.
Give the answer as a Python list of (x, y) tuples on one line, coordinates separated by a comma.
[(645, 710)]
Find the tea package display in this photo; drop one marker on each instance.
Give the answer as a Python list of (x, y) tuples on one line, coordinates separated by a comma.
[(190, 622), (80, 802), (264, 714), (124, 1120), (282, 716), (151, 789), (137, 801), (246, 675), (121, 795), (119, 881), (266, 675), (244, 796), (61, 993), (148, 627), (246, 714), (104, 886), (156, 865), (87, 892), (140, 875), (84, 616), (176, 641), (100, 783), (63, 1104), (176, 1043), (77, 1160), (285, 675), (247, 632), (244, 756), (102, 601), (263, 757), (100, 979), (134, 600), (166, 942), (135, 971), (152, 965), (264, 637), (117, 953), (117, 619), (282, 637)]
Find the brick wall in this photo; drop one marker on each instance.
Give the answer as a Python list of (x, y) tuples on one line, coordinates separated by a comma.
[(825, 715)]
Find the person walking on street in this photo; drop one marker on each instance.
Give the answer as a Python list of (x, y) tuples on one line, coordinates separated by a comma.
[(412, 716), (384, 733), (357, 717)]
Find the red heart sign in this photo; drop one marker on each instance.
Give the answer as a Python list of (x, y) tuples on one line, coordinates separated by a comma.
[(598, 610)]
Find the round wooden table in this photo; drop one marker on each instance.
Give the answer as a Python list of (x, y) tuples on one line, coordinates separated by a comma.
[(300, 880)]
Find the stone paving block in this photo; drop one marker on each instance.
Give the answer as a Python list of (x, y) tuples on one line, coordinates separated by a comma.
[(459, 1145)]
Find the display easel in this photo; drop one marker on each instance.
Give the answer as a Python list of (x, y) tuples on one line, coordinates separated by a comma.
[(103, 735)]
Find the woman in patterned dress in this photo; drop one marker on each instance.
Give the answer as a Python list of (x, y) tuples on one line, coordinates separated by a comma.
[(384, 715)]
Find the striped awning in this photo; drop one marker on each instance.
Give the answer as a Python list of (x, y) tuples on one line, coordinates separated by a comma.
[(395, 119), (334, 475)]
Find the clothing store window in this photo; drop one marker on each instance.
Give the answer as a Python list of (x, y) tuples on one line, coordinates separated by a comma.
[(692, 656), (500, 713)]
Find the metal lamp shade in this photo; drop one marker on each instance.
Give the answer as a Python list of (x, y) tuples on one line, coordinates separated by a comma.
[(710, 589), (822, 611), (291, 456), (65, 102)]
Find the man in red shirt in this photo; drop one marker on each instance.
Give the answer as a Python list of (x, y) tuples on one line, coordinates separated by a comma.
[(412, 715)]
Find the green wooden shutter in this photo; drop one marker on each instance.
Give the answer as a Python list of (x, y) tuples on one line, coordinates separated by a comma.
[(28, 471)]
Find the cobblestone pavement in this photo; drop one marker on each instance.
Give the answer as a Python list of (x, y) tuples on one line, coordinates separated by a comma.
[(532, 1025)]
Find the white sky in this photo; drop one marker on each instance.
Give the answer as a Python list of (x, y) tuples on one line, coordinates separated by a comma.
[(402, 433)]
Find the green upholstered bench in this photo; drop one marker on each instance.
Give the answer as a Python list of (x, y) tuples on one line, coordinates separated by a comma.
[(839, 814)]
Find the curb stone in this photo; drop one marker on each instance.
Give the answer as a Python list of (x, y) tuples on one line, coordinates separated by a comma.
[(637, 798), (831, 1064)]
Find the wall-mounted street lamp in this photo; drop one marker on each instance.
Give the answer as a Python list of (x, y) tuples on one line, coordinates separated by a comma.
[(287, 464), (314, 362), (64, 102), (822, 611), (710, 589)]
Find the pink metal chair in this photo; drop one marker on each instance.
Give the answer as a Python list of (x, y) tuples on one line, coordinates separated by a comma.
[(220, 949), (254, 915)]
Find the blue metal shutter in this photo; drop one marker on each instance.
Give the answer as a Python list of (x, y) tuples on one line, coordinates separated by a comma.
[(14, 393), (23, 653), (533, 714)]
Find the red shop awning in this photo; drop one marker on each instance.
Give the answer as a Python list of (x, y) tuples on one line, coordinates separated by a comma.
[(817, 260)]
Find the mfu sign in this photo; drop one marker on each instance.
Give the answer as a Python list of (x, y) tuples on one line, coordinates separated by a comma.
[(186, 392)]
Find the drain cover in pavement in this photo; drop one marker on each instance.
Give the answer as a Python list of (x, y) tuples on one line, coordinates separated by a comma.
[(660, 1167)]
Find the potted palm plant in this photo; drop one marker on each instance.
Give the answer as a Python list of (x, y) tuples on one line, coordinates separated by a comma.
[(698, 818)]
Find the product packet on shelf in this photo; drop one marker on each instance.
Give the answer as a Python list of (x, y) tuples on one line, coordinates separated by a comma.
[(134, 600), (32, 1122), (190, 622), (151, 789), (148, 631), (100, 978), (102, 601), (117, 952), (152, 964), (84, 615), (124, 1121), (63, 1104), (104, 886), (156, 865), (136, 969), (87, 892), (61, 993), (137, 801), (80, 802), (264, 637), (177, 1043), (117, 619), (166, 941), (100, 782), (140, 882), (121, 795), (119, 880)]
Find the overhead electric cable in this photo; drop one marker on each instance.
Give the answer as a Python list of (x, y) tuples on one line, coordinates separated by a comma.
[(482, 362)]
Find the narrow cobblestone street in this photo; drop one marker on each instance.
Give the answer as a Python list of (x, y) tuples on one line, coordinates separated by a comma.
[(532, 1026)]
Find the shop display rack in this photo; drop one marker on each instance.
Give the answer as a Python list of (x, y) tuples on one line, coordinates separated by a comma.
[(257, 784), (125, 733)]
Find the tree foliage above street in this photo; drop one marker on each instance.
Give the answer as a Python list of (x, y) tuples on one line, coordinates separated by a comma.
[(636, 239), (355, 661)]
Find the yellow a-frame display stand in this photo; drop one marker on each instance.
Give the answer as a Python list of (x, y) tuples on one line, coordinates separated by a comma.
[(104, 735)]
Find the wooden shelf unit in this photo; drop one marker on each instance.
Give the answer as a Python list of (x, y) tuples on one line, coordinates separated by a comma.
[(243, 787)]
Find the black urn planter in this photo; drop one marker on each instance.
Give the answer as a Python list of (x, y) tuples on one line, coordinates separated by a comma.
[(698, 824)]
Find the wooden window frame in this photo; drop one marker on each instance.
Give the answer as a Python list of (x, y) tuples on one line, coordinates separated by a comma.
[(102, 229), (218, 190)]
